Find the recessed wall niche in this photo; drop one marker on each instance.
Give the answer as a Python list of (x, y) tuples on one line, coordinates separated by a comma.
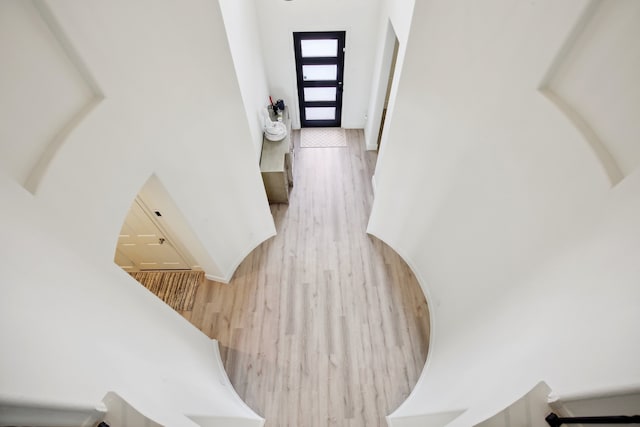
[(46, 90), (595, 81)]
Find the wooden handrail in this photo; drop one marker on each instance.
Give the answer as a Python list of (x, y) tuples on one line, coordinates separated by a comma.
[(555, 421)]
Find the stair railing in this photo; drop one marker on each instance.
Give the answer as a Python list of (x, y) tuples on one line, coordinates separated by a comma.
[(555, 421)]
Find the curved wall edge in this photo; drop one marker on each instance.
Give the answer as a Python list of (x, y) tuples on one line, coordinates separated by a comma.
[(437, 419), (226, 382), (204, 421), (606, 160), (39, 169), (593, 38), (226, 278), (432, 322), (580, 24), (527, 230)]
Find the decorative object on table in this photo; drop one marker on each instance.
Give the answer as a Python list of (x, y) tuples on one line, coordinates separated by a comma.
[(273, 131)]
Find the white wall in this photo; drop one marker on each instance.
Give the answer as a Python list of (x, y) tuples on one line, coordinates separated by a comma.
[(76, 325), (394, 22), (400, 13), (592, 77), (525, 253), (164, 74), (42, 89), (241, 23), (529, 410), (379, 88), (155, 197), (120, 412), (359, 18), (74, 329)]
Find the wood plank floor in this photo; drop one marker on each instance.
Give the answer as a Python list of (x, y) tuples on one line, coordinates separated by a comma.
[(322, 325)]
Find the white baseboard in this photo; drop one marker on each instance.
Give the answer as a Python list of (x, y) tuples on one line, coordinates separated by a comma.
[(214, 278)]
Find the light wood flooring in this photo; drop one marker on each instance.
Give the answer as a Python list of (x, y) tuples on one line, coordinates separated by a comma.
[(322, 325)]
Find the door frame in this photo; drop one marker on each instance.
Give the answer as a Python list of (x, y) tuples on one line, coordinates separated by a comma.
[(390, 77), (338, 83), (383, 92)]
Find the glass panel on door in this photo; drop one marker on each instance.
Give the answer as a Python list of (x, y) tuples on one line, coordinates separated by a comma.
[(319, 48), (320, 93), (320, 113), (320, 72)]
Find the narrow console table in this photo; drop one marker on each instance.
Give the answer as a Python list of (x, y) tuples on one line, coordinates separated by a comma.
[(276, 164)]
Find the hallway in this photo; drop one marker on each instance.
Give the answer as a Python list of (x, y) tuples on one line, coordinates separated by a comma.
[(321, 325)]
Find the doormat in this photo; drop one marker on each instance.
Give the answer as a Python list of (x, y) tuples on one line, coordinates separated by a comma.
[(176, 288), (322, 137)]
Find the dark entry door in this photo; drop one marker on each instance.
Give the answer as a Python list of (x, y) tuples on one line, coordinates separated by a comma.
[(320, 69)]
